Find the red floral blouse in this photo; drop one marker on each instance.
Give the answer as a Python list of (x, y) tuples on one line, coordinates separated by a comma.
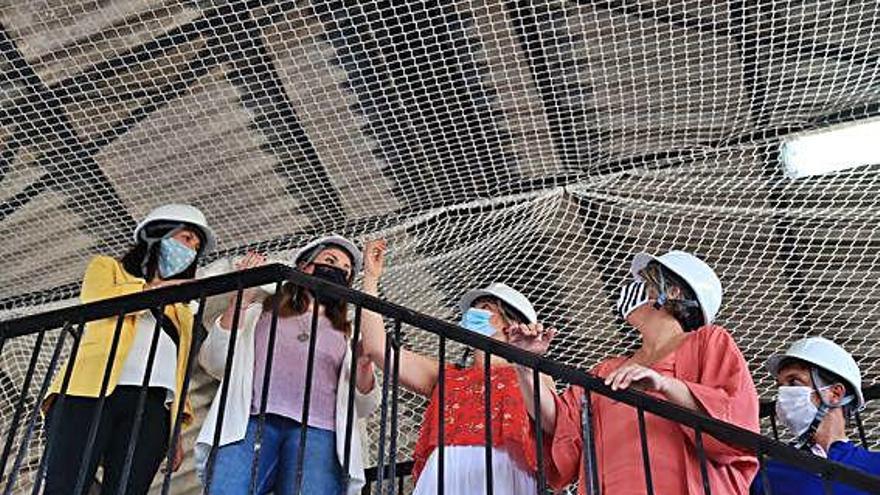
[(464, 416)]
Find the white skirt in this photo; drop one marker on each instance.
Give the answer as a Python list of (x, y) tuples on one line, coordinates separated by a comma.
[(465, 473)]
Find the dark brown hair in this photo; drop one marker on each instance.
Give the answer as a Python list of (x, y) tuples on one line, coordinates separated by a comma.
[(689, 316), (133, 260), (294, 301)]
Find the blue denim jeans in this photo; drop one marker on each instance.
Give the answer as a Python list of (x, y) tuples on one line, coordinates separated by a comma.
[(276, 473)]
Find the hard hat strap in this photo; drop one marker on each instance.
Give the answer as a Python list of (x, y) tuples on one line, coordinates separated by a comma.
[(806, 440), (663, 295), (819, 384)]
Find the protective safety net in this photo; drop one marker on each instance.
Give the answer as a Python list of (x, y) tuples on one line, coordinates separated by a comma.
[(537, 143)]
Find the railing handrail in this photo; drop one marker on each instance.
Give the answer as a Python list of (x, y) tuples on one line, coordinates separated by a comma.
[(206, 287), (106, 308)]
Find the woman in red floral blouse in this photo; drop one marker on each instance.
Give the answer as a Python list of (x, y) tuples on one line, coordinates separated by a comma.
[(490, 311)]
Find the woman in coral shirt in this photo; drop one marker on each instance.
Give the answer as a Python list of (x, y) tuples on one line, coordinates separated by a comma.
[(490, 312), (683, 359)]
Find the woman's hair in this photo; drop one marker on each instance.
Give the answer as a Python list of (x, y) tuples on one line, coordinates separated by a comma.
[(294, 301), (133, 260), (508, 313), (689, 315)]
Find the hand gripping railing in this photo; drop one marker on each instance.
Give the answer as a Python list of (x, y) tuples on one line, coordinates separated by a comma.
[(73, 320)]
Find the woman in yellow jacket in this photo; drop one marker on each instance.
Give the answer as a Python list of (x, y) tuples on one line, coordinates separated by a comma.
[(168, 244)]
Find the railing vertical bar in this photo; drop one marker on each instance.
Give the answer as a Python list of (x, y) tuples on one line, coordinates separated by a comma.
[(646, 457), (383, 418), (184, 390), (400, 484), (349, 414), (765, 480), (122, 487), (441, 416), (12, 432), (224, 390), (863, 438), (99, 408), (32, 420), (307, 395), (591, 471), (54, 418), (487, 420), (539, 431), (701, 456), (264, 392), (827, 486), (773, 427), (395, 385)]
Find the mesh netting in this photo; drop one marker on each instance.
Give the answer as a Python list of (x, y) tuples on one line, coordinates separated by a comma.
[(536, 143)]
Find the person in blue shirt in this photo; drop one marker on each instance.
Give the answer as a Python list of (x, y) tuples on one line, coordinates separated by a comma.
[(820, 387)]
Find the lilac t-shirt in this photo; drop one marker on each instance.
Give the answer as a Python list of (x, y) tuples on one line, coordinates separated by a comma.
[(287, 386)]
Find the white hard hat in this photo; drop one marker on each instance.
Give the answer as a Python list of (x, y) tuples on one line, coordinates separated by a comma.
[(824, 354), (183, 214), (357, 257), (505, 293), (694, 271)]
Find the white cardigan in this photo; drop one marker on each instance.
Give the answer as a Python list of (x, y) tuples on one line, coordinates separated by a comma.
[(212, 357)]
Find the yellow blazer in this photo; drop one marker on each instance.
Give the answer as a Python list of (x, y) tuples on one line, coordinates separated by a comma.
[(105, 278)]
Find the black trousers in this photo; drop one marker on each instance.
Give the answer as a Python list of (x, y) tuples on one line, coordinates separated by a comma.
[(111, 443)]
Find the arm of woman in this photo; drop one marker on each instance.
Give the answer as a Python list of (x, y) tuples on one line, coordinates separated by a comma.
[(548, 391), (367, 395), (725, 390), (534, 338), (100, 281), (564, 445), (212, 355), (365, 373), (417, 373), (560, 414), (644, 378)]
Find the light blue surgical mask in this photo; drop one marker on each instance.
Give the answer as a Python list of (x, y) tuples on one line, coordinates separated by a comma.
[(477, 320), (174, 257)]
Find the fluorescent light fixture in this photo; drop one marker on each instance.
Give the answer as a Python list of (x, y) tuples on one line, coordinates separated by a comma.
[(831, 150)]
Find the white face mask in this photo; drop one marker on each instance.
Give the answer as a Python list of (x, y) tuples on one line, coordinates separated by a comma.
[(795, 409)]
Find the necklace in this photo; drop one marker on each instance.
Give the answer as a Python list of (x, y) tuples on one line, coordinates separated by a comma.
[(304, 335)]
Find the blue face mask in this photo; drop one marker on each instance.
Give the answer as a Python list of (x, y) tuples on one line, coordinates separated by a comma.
[(477, 320), (174, 257)]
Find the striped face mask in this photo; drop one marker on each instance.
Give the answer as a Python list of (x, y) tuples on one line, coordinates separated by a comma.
[(632, 296)]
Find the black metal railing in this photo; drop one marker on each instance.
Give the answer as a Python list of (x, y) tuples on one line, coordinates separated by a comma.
[(388, 473)]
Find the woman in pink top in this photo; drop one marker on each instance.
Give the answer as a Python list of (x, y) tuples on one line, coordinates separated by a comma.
[(332, 258), (683, 359)]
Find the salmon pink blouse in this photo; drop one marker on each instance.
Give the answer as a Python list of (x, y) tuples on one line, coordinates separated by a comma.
[(713, 369)]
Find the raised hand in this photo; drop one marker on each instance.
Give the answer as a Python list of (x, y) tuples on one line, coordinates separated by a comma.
[(250, 260), (531, 337), (374, 258)]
